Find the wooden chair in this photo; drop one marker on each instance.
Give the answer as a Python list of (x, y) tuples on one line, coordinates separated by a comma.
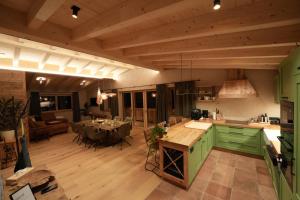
[(172, 121), (155, 164), (8, 148), (130, 121), (118, 118)]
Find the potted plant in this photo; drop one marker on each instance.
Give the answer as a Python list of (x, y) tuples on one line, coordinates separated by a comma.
[(10, 109), (156, 133)]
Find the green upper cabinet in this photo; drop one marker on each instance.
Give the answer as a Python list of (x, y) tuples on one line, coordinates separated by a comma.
[(297, 138), (277, 89), (289, 68)]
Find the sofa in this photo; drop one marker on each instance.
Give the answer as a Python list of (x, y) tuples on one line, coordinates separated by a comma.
[(49, 126)]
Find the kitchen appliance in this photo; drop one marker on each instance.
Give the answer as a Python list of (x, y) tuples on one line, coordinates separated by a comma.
[(287, 140), (274, 120), (205, 113), (196, 114)]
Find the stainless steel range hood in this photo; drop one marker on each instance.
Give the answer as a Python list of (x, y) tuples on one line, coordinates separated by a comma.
[(237, 87)]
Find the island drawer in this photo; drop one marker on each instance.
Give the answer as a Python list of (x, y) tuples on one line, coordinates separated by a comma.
[(239, 138)]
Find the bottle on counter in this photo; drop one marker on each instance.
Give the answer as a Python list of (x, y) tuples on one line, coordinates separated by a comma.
[(266, 118)]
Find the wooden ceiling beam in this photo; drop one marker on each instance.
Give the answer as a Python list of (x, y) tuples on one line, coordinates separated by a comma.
[(256, 61), (41, 11), (262, 14), (268, 52), (125, 14), (220, 66), (272, 37)]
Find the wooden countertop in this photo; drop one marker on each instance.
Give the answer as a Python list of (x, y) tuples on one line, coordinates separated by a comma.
[(250, 125), (180, 135)]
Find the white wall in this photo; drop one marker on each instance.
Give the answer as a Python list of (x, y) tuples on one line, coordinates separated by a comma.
[(239, 109)]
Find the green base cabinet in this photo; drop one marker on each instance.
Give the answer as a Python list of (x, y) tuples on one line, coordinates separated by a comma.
[(285, 192), (247, 140), (274, 172), (198, 153)]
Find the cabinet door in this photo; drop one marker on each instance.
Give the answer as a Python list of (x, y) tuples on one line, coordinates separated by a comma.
[(277, 89), (287, 81), (285, 191), (204, 147), (297, 138)]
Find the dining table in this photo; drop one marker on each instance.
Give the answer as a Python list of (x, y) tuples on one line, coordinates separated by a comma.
[(106, 126)]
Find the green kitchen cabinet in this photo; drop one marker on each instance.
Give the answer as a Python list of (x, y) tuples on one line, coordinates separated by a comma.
[(274, 171), (297, 138), (277, 89), (247, 140), (199, 152), (285, 192)]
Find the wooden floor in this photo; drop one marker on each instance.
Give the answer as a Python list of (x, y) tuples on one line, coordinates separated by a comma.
[(107, 173)]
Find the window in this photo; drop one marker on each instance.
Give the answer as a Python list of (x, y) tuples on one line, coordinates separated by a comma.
[(53, 103), (64, 102), (47, 103)]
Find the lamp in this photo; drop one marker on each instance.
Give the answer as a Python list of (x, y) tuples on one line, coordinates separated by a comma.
[(75, 10), (40, 79), (217, 4)]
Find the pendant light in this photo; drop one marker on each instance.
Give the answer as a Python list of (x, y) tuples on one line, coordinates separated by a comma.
[(99, 96), (103, 94), (217, 4), (75, 10)]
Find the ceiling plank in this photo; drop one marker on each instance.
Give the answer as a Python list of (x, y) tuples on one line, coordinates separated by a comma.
[(13, 23), (268, 52), (44, 60), (127, 13), (272, 37), (41, 11), (264, 14)]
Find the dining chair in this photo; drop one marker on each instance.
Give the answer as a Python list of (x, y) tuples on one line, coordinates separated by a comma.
[(75, 128), (94, 137), (118, 118), (130, 121), (124, 131), (172, 120)]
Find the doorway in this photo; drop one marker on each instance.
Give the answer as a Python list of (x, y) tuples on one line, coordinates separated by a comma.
[(138, 109), (151, 108), (127, 110)]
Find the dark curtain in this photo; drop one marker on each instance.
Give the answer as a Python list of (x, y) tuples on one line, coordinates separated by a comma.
[(161, 103), (35, 107), (76, 106), (113, 104), (184, 100), (102, 106)]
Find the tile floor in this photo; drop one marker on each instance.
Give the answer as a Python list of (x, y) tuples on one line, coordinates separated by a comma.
[(224, 176)]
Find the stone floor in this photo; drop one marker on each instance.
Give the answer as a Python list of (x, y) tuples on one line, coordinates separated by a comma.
[(225, 176)]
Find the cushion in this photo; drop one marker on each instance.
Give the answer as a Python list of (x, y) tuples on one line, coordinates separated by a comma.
[(48, 116), (54, 122)]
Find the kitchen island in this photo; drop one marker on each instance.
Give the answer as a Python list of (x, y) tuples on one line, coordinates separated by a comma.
[(183, 151)]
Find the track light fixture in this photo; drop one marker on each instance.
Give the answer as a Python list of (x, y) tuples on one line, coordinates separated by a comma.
[(217, 4), (75, 10)]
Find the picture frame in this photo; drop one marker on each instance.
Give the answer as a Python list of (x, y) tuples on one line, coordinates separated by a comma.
[(23, 193)]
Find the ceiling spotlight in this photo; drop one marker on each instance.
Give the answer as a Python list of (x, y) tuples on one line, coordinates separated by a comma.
[(75, 10), (40, 79), (217, 4), (153, 94)]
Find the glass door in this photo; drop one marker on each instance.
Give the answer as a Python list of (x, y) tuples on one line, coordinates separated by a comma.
[(151, 108), (138, 109), (127, 111)]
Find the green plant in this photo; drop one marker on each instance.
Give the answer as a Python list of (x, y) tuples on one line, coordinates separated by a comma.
[(7, 121), (156, 132)]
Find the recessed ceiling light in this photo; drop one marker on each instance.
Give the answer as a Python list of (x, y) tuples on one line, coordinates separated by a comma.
[(217, 4), (75, 10)]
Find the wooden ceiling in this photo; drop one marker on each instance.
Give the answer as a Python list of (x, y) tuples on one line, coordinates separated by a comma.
[(56, 83), (251, 34)]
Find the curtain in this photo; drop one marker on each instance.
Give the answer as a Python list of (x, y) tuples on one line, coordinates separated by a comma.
[(161, 103), (35, 107), (75, 106), (113, 104), (184, 100)]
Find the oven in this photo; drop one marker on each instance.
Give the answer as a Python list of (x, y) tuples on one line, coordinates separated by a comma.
[(286, 139)]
